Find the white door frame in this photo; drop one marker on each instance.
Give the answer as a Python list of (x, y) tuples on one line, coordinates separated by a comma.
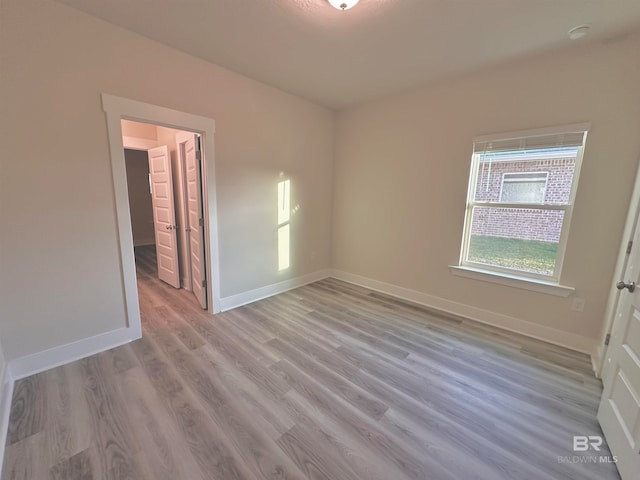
[(621, 266), (117, 109), (186, 247)]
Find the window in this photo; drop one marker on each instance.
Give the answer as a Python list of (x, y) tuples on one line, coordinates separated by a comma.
[(523, 187), (521, 191)]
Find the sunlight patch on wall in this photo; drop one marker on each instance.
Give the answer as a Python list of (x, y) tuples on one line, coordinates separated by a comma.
[(284, 215)]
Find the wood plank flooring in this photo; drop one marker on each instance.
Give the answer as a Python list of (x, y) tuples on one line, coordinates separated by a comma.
[(328, 381)]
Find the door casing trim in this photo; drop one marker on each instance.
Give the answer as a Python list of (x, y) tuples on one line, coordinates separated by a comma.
[(117, 109)]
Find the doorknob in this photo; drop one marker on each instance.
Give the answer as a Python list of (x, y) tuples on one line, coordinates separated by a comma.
[(629, 286), (170, 227)]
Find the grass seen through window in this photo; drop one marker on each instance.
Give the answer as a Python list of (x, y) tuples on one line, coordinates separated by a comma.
[(526, 255)]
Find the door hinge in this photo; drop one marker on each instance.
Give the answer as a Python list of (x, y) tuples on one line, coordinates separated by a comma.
[(198, 149), (201, 222), (607, 339), (629, 245), (204, 283)]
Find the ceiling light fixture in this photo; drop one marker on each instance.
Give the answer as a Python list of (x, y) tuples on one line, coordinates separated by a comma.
[(343, 4), (579, 32)]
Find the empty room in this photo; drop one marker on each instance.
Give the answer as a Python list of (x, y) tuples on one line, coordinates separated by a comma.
[(320, 239)]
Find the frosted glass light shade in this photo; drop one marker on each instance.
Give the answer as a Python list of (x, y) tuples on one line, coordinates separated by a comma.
[(343, 4)]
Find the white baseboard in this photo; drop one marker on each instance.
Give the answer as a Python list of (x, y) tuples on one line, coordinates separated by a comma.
[(5, 410), (234, 301), (145, 243), (524, 327), (39, 362)]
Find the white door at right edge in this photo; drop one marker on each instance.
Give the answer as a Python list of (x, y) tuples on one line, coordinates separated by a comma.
[(164, 215), (196, 219), (619, 411)]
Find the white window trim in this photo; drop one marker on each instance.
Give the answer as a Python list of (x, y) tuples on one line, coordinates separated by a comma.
[(515, 278), (515, 281), (574, 127)]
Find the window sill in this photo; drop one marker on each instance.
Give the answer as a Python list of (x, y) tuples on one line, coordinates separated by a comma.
[(531, 284)]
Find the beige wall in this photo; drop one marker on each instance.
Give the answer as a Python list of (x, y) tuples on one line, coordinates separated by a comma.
[(402, 164), (400, 179), (137, 163), (61, 280)]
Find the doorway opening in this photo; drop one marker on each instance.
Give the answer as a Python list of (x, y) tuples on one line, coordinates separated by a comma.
[(118, 109), (164, 181)]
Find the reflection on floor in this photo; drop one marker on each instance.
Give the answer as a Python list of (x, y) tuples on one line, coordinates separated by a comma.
[(147, 270), (328, 381)]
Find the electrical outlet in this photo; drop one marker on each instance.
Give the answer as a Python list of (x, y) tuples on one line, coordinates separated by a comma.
[(578, 304)]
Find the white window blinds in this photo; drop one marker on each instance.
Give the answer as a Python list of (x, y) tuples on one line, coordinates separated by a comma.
[(567, 136)]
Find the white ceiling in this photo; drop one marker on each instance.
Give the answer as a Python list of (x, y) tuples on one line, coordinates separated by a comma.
[(337, 59)]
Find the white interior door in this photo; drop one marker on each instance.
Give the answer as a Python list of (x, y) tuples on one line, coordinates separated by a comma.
[(193, 164), (164, 215), (619, 412)]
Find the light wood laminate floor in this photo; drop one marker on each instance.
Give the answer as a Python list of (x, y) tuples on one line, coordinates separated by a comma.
[(328, 381)]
